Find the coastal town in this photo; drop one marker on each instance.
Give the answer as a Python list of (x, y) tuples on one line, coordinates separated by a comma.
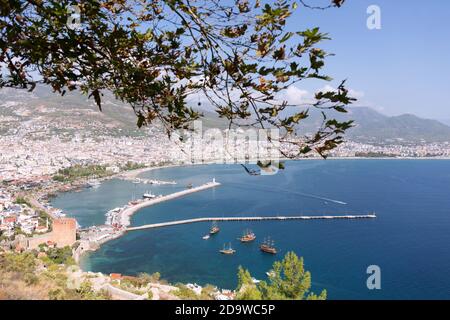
[(238, 158), (25, 227), (32, 173), (36, 169), (38, 161), (22, 159)]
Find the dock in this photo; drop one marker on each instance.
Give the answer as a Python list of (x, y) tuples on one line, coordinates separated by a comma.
[(125, 214), (276, 218)]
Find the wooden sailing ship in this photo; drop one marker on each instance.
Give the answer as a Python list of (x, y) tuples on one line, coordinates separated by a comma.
[(268, 246), (214, 228), (248, 236), (227, 250)]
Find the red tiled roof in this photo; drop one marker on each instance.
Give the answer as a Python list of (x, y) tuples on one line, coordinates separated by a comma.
[(115, 276), (10, 219)]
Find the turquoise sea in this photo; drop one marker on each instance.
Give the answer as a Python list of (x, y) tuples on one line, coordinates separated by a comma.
[(409, 240)]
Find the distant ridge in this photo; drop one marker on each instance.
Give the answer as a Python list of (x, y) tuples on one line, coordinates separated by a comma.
[(49, 113), (374, 127)]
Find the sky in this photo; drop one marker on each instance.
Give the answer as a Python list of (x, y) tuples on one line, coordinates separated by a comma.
[(404, 67), (401, 68)]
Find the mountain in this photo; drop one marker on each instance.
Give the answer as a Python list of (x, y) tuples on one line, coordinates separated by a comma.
[(374, 127), (42, 113), (445, 121)]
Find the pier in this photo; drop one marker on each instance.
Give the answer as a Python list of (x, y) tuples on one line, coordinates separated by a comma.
[(278, 218), (125, 214)]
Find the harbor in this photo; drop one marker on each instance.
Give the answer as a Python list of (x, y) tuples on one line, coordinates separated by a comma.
[(118, 219), (181, 254), (129, 211)]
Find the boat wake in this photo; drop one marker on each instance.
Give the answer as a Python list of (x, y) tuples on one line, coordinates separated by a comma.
[(307, 195)]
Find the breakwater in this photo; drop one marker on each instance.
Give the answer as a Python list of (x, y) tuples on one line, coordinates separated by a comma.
[(128, 212), (280, 218)]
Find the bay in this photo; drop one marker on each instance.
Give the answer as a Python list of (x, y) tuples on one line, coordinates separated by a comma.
[(409, 240)]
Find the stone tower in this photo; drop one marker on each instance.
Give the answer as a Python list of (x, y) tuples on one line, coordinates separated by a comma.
[(64, 232)]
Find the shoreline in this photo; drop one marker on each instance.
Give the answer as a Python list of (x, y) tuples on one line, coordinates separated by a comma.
[(132, 174), (124, 218), (135, 173)]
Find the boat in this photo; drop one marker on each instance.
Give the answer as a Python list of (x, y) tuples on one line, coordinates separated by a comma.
[(189, 186), (94, 184), (270, 273), (214, 228), (255, 281), (205, 237), (228, 250), (268, 246), (148, 195), (248, 236)]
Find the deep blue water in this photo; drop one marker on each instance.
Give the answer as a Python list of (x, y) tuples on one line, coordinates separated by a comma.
[(409, 239)]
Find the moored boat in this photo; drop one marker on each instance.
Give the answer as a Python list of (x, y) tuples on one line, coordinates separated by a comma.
[(148, 195), (94, 184), (248, 236), (214, 228), (270, 273), (228, 250), (268, 246)]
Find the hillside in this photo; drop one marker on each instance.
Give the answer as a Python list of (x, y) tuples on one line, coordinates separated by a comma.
[(374, 127), (42, 113)]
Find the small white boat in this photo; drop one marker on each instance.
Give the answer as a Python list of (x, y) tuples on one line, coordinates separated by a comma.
[(94, 184), (254, 280), (149, 195), (270, 273), (205, 237)]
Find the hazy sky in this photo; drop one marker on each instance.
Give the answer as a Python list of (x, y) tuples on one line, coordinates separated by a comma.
[(402, 68)]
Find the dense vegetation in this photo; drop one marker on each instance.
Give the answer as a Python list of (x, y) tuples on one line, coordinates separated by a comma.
[(24, 276), (57, 255), (22, 200), (185, 293), (78, 171), (288, 280), (129, 165)]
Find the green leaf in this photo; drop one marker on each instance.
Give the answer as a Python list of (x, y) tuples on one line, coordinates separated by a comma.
[(96, 94)]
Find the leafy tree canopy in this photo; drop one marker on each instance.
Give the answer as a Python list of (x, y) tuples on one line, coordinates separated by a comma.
[(155, 54), (288, 280)]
